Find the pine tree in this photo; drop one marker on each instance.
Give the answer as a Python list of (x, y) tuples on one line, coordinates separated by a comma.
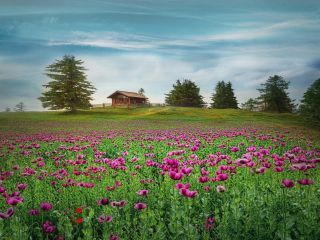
[(224, 97), (141, 91), (69, 88), (273, 95), (310, 104), (185, 94)]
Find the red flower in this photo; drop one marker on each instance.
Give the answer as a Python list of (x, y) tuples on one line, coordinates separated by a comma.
[(78, 210), (79, 220)]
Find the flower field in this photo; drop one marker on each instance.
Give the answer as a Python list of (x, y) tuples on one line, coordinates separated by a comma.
[(140, 181)]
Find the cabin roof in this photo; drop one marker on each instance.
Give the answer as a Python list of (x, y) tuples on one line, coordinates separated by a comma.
[(127, 94)]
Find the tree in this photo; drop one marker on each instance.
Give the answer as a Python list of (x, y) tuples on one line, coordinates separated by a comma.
[(185, 94), (310, 103), (224, 97), (69, 88), (251, 104), (273, 95), (141, 91), (20, 107), (8, 109)]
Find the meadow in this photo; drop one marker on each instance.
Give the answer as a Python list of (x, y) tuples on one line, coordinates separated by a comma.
[(159, 173)]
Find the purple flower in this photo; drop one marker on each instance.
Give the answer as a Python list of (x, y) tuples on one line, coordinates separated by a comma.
[(222, 177), (143, 192), (21, 186), (46, 206), (104, 218), (7, 214), (221, 188), (305, 181), (14, 200), (33, 212), (288, 183), (140, 206), (48, 227), (103, 201)]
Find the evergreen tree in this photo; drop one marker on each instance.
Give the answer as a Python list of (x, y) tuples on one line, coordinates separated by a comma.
[(20, 107), (141, 91), (69, 88), (185, 94), (273, 95), (224, 97), (310, 104), (8, 109), (251, 104)]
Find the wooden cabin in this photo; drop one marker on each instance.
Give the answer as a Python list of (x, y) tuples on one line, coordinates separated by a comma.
[(127, 99)]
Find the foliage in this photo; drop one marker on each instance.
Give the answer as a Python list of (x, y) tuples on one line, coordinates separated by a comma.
[(310, 104), (20, 107), (251, 104), (224, 97), (8, 109), (185, 94), (69, 88), (273, 96), (141, 91)]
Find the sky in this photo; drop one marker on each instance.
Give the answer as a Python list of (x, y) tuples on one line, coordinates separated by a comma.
[(129, 44)]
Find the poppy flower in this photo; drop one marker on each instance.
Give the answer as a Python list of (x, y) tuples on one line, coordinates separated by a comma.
[(140, 206), (79, 220), (288, 183), (78, 210)]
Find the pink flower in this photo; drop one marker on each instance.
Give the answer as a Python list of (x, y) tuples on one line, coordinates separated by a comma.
[(46, 206), (221, 188), (288, 183), (143, 192), (140, 206), (206, 188), (187, 170), (114, 237), (234, 149), (21, 186), (278, 169), (305, 181), (209, 223)]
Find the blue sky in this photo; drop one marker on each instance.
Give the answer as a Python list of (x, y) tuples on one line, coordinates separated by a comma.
[(129, 44)]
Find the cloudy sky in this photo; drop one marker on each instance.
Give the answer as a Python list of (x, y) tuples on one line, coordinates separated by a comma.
[(128, 44)]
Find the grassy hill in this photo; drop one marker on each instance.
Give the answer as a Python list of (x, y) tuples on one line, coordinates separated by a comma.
[(217, 116)]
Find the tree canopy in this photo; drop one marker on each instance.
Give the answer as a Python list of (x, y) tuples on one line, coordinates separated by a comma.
[(20, 107), (274, 97), (310, 103), (185, 94), (224, 97), (69, 88), (251, 104)]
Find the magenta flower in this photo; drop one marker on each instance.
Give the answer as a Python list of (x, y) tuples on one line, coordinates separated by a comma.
[(187, 170), (104, 218), (175, 176), (7, 214), (305, 181), (203, 179), (222, 177), (209, 223), (120, 204), (103, 201), (46, 206), (181, 185), (14, 200), (21, 186), (143, 192), (288, 183), (187, 193), (221, 188), (140, 206), (114, 237), (48, 227), (234, 149), (33, 212)]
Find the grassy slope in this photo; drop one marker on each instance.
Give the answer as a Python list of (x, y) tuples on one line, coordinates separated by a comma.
[(219, 116)]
